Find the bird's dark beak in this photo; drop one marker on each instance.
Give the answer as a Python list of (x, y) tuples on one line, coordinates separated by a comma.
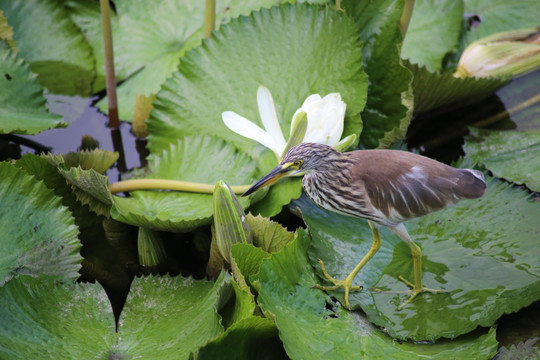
[(272, 177)]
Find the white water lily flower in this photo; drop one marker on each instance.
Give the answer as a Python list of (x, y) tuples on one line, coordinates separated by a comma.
[(324, 122), (325, 118)]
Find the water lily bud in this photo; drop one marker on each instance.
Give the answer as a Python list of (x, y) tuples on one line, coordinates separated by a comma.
[(510, 53), (151, 248), (230, 224)]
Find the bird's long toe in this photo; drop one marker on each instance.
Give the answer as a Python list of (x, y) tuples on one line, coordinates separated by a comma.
[(415, 291), (345, 284)]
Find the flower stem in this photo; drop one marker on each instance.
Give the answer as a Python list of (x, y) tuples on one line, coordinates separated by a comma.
[(406, 17), (109, 64), (209, 18), (164, 184)]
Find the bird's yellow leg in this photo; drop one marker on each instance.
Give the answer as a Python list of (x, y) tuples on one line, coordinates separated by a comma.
[(416, 287), (346, 284)]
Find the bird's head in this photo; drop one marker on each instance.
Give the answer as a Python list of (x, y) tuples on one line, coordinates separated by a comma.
[(297, 161)]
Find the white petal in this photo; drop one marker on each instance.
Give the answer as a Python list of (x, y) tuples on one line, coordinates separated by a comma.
[(246, 128), (267, 111)]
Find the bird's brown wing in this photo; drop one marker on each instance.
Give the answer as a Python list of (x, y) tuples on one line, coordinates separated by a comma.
[(402, 185)]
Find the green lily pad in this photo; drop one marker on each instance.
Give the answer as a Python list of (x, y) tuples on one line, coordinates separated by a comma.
[(498, 16), (149, 39), (42, 318), (22, 104), (433, 33), (99, 160), (194, 158), (52, 44), (312, 325), (46, 319), (189, 318), (387, 112), (268, 235), (89, 186), (293, 50), (512, 155), (251, 338), (481, 252), (101, 261), (36, 228), (433, 91)]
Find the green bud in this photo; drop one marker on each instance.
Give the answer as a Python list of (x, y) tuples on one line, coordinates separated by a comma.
[(506, 54), (345, 143), (298, 131), (151, 248), (230, 224)]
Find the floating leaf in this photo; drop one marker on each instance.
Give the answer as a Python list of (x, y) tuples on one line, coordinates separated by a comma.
[(387, 112), (65, 321), (97, 159), (311, 325), (268, 235), (22, 105), (481, 252), (36, 228), (251, 338), (52, 44), (433, 33), (90, 187), (188, 316), (149, 39), (511, 155), (247, 259), (54, 320), (493, 16), (433, 91), (183, 211), (293, 50), (101, 261)]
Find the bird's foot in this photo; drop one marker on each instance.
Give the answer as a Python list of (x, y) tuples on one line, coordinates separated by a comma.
[(413, 293), (346, 284)]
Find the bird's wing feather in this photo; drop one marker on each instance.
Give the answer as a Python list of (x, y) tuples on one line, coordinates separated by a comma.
[(402, 185)]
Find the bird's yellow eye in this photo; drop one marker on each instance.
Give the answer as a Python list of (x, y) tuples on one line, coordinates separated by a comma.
[(298, 163)]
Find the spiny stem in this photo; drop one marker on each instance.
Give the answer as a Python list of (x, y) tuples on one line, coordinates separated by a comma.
[(164, 184)]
